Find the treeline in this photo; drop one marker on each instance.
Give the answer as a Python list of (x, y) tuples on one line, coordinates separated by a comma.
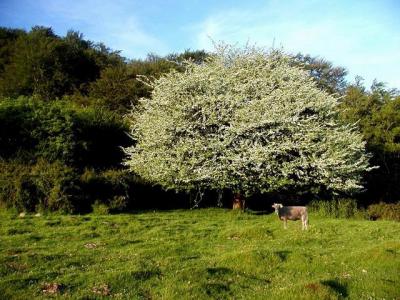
[(62, 125), (62, 102)]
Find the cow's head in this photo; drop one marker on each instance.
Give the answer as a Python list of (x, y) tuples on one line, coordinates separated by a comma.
[(277, 206)]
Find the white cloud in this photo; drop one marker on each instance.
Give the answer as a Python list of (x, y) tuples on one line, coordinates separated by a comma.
[(111, 22), (353, 42)]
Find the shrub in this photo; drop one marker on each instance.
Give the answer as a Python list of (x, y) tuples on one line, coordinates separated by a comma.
[(100, 209), (17, 122), (18, 187), (110, 187), (346, 208), (60, 131), (60, 184), (10, 175), (99, 136), (385, 211), (31, 129), (28, 194), (43, 186), (340, 208), (44, 147)]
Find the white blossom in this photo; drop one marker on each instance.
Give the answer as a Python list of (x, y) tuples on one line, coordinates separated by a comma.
[(247, 120)]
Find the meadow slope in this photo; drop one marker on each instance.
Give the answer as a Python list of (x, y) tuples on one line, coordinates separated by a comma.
[(198, 254)]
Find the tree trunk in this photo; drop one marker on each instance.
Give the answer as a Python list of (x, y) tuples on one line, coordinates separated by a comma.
[(238, 202)]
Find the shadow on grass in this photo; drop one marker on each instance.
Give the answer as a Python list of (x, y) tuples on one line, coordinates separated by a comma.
[(143, 275), (269, 233), (15, 231), (338, 287), (283, 254), (218, 285), (217, 289), (258, 212), (219, 271), (34, 238), (127, 242), (52, 223), (8, 287), (220, 280)]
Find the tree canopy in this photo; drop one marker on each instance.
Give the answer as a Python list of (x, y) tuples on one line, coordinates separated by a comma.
[(41, 63), (244, 121), (328, 77), (377, 113), (247, 120)]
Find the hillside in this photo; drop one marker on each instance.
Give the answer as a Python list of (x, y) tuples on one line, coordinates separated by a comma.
[(198, 254)]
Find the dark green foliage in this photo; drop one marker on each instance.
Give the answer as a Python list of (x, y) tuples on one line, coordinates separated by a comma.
[(30, 129), (10, 177), (377, 113), (120, 86), (115, 89), (43, 64), (44, 146), (16, 125), (384, 211), (328, 78), (40, 187), (58, 130), (153, 66), (54, 133), (109, 188), (34, 67), (8, 36), (99, 136), (82, 133), (54, 186)]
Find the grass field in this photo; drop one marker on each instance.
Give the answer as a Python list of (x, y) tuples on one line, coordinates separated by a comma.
[(198, 254)]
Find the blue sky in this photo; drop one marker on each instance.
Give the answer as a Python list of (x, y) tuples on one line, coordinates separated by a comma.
[(362, 35)]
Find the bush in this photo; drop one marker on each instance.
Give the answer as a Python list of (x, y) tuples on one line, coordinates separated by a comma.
[(384, 211), (340, 208), (100, 209), (346, 208), (45, 145), (110, 188), (60, 131), (17, 122), (18, 187), (32, 129), (43, 186), (99, 136)]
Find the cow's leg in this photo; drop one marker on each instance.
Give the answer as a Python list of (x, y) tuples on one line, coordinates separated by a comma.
[(285, 223), (304, 222)]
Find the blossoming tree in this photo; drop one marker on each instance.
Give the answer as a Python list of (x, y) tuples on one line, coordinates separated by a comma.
[(246, 120)]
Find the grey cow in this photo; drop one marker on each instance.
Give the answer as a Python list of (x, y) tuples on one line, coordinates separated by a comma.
[(292, 213)]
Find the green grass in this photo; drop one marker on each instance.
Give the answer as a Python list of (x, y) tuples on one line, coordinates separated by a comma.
[(198, 254)]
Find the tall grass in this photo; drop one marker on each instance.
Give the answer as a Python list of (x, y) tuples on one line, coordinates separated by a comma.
[(339, 208), (384, 211)]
